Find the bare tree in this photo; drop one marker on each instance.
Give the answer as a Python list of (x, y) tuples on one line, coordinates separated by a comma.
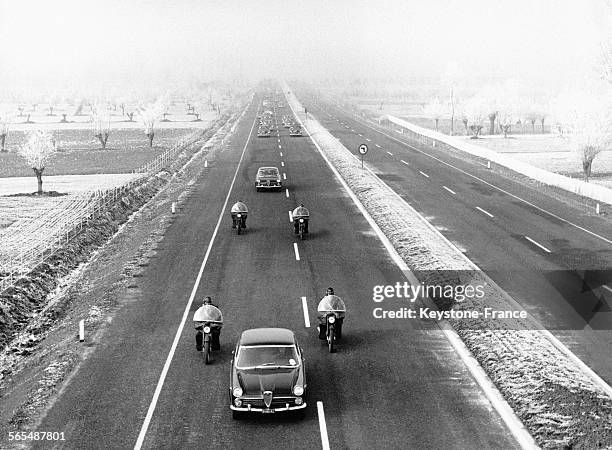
[(434, 110), (37, 150), (101, 120), (149, 116), (474, 115), (5, 121)]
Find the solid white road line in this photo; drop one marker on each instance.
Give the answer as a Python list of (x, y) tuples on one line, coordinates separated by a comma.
[(607, 288), (179, 332), (539, 245), (322, 426), (449, 190), (389, 153), (404, 162), (290, 213), (284, 176), (287, 193), (485, 212), (424, 174), (297, 252), (305, 309)]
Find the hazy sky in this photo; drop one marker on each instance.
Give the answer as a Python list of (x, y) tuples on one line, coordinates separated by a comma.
[(85, 41)]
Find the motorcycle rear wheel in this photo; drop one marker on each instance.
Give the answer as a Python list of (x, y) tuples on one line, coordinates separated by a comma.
[(207, 357), (330, 340)]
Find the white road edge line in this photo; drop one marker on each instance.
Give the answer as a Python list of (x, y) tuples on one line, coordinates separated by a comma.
[(305, 309), (404, 162), (297, 252), (539, 245), (322, 426), (485, 212), (450, 190), (502, 407), (424, 174), (290, 214), (607, 288), (179, 332), (287, 192)]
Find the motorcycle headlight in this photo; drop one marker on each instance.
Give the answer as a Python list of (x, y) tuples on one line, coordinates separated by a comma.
[(298, 389), (301, 220), (237, 392), (206, 329), (239, 215), (331, 319)]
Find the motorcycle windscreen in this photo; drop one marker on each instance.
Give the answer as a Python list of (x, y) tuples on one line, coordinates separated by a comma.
[(208, 313), (331, 303)]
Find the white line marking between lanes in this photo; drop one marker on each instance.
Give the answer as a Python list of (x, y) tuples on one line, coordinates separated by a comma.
[(284, 176), (352, 130), (359, 134), (282, 164), (389, 153), (368, 139), (281, 153), (290, 214), (404, 162), (377, 145), (280, 146), (297, 252), (322, 426), (424, 174), (449, 190), (179, 331), (485, 212), (305, 308), (539, 245), (287, 193)]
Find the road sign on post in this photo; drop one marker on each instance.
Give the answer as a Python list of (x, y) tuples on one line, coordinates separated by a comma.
[(363, 149)]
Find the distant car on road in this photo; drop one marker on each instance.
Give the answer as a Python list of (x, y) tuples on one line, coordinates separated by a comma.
[(268, 178), (263, 132), (267, 374), (295, 132)]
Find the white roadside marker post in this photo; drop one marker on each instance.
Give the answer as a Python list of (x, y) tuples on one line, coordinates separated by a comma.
[(597, 209), (488, 164), (173, 207), (81, 330), (205, 163)]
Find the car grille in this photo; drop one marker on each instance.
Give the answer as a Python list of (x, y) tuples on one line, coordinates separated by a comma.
[(277, 402)]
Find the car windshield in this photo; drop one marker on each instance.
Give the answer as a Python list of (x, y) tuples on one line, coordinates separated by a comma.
[(268, 172), (270, 356)]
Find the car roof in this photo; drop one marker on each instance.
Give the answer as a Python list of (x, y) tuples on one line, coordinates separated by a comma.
[(267, 336), (267, 168)]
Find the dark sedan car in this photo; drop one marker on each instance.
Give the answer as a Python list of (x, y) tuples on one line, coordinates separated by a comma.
[(268, 178), (268, 373)]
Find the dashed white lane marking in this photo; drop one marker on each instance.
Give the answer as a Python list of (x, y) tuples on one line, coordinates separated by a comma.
[(449, 190), (290, 213), (287, 193), (389, 153), (368, 139), (539, 245), (352, 130), (284, 176), (305, 309), (282, 163), (485, 212), (280, 146), (359, 134), (281, 153), (278, 139), (322, 426), (179, 331), (404, 162), (377, 145), (424, 174), (297, 252)]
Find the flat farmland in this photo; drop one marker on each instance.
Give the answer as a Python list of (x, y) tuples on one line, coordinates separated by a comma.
[(80, 152)]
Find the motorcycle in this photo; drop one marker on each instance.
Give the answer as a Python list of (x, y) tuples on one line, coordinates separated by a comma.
[(238, 222), (331, 312), (301, 228), (330, 320), (206, 351)]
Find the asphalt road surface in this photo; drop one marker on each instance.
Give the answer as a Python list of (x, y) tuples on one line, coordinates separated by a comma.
[(391, 384), (545, 248)]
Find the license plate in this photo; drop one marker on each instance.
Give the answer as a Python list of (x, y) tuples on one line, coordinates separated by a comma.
[(268, 411)]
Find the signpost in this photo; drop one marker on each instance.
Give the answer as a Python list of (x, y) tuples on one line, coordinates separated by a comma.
[(363, 149)]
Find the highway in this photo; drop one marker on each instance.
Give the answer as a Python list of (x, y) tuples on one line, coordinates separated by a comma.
[(391, 384), (542, 246)]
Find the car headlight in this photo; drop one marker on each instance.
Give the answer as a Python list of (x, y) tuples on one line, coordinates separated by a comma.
[(206, 329), (298, 389), (331, 319), (237, 392)]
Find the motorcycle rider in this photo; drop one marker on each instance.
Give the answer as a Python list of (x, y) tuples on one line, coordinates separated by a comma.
[(239, 208), (208, 313), (300, 213), (330, 302)]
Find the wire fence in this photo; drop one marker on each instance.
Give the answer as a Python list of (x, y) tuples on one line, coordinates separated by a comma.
[(29, 241)]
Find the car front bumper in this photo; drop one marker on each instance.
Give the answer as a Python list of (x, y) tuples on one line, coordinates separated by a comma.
[(249, 408)]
